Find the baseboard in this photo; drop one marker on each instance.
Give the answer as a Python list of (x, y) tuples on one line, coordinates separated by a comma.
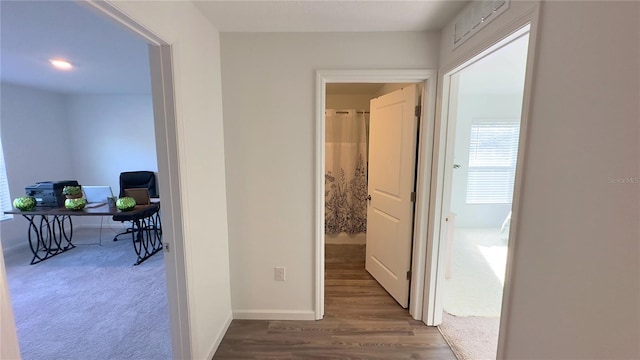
[(274, 315), (220, 336)]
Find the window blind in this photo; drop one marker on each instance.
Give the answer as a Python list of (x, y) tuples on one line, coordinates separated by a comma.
[(5, 197), (493, 152)]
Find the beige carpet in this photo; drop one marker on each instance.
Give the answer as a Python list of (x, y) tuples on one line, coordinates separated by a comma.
[(477, 273), (471, 337), (473, 293)]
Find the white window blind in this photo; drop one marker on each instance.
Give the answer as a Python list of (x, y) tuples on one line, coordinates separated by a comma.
[(493, 151), (5, 197)]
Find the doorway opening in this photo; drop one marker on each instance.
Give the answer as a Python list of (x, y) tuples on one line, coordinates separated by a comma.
[(168, 176), (354, 168), (485, 101), (330, 82)]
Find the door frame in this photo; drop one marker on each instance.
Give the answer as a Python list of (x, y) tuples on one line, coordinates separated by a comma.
[(428, 79), (436, 249), (164, 110)]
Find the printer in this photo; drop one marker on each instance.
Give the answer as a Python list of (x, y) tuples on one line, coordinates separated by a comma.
[(49, 193)]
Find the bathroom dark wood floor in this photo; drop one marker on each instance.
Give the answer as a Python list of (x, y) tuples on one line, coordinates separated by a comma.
[(362, 321)]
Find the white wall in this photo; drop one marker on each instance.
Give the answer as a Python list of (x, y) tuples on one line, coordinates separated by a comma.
[(36, 147), (478, 106), (575, 282), (269, 124), (110, 134), (199, 136)]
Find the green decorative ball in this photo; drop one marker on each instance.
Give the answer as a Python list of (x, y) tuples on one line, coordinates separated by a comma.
[(126, 203), (75, 204), (24, 203), (72, 190)]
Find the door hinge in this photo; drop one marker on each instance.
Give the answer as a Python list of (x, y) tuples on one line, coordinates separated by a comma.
[(166, 248), (413, 196), (418, 110), (409, 275)]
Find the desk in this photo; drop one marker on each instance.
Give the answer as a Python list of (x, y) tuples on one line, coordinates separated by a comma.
[(50, 230)]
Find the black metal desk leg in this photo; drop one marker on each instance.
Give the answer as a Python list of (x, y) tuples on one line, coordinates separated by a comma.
[(146, 237), (48, 237)]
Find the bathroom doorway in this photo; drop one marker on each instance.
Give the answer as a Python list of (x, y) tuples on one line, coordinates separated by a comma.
[(426, 79), (352, 144)]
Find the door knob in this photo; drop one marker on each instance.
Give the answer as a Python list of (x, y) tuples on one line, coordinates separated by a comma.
[(369, 197)]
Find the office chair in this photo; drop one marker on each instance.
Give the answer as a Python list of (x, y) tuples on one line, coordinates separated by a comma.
[(137, 180), (131, 183)]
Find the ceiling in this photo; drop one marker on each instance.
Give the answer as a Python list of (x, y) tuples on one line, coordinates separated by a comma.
[(329, 16), (107, 58), (110, 59)]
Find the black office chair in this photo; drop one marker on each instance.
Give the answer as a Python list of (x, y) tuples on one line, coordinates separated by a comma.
[(137, 180)]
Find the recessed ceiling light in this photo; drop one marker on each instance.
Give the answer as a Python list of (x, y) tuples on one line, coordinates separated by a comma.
[(61, 64)]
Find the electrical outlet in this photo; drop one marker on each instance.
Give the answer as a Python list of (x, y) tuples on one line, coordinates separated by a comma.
[(279, 273)]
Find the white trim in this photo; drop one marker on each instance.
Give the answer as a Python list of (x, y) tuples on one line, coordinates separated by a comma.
[(161, 64), (435, 275), (125, 20), (428, 78), (161, 60), (432, 297), (534, 19), (220, 337), (274, 315)]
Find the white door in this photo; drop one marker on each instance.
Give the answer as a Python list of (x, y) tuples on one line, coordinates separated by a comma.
[(392, 161)]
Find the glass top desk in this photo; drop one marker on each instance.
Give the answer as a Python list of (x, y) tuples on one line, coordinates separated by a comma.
[(50, 230)]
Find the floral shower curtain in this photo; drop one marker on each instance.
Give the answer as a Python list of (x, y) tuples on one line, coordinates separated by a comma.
[(346, 172)]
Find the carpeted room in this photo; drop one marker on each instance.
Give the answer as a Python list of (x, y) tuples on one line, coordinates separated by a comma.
[(90, 302)]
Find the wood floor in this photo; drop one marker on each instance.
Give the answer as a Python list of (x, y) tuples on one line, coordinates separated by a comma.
[(361, 322)]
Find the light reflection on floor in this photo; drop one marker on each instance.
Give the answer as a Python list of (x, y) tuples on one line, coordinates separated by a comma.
[(496, 256), (477, 273)]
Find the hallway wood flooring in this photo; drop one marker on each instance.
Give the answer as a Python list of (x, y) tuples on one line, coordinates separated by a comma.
[(362, 321)]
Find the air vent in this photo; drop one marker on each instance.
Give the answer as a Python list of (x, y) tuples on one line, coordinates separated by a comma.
[(475, 16)]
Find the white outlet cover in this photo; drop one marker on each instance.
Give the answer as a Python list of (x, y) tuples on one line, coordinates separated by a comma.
[(279, 273)]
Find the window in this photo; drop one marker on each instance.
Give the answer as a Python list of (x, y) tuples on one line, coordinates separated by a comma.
[(5, 197), (493, 151)]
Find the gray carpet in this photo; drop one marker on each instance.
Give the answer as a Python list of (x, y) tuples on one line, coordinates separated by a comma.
[(90, 302)]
